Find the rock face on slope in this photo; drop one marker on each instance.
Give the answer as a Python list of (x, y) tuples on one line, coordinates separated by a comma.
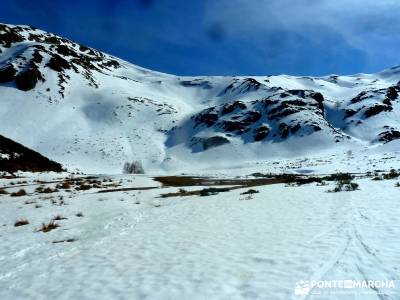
[(87, 107), (27, 79), (277, 117), (15, 157), (7, 73)]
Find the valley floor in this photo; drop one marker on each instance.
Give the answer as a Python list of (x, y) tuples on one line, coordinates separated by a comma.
[(132, 244)]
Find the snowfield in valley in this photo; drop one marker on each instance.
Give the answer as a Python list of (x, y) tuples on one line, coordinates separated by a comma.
[(134, 244)]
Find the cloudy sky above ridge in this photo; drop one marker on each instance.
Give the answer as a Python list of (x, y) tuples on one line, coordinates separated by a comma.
[(227, 37)]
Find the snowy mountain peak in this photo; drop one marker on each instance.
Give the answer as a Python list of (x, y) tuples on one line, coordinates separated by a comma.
[(94, 112), (27, 52)]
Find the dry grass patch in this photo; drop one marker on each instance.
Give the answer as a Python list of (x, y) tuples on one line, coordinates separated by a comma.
[(59, 218), (20, 193), (45, 190), (64, 241), (21, 222), (64, 185), (250, 192), (48, 227), (203, 192)]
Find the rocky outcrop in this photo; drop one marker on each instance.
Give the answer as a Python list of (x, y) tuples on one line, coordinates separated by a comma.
[(241, 86), (389, 135), (214, 141), (27, 80), (7, 74), (261, 133), (57, 63), (376, 109), (285, 113)]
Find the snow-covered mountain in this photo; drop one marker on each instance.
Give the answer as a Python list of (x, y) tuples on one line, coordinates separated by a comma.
[(94, 112)]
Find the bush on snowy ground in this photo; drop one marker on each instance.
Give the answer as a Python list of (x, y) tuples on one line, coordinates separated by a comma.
[(344, 183), (133, 168), (250, 192), (391, 175), (340, 177)]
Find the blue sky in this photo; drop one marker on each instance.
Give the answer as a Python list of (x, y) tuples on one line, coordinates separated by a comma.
[(227, 37)]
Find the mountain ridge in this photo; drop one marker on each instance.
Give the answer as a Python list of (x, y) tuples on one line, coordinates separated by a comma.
[(94, 112)]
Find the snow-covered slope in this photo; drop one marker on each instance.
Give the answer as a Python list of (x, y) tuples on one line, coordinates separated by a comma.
[(94, 112)]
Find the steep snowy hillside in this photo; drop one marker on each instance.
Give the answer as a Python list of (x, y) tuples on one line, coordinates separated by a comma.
[(94, 112), (15, 157)]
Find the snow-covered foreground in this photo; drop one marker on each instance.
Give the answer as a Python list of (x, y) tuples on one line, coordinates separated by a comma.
[(134, 245)]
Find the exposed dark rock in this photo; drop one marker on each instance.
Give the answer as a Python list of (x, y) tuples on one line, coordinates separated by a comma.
[(360, 97), (252, 117), (316, 128), (209, 118), (283, 130), (111, 63), (295, 128), (268, 102), (298, 102), (66, 51), (349, 113), (230, 107), (234, 126), (388, 136), (387, 101), (19, 158), (57, 63), (283, 113), (247, 85), (284, 95), (392, 93), (251, 84), (84, 48), (318, 97), (320, 100), (279, 108), (10, 37), (7, 74), (261, 133), (376, 109), (52, 40), (27, 79), (203, 84), (237, 118), (214, 141), (37, 57)]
